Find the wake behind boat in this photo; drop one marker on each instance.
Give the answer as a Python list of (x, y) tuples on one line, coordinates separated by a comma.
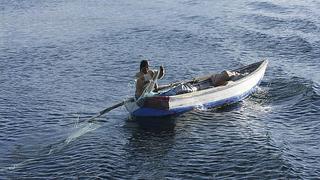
[(199, 92)]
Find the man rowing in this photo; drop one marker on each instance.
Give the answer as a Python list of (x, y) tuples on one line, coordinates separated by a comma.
[(144, 76)]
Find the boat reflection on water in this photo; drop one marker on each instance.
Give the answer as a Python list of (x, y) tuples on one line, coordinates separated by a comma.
[(149, 146), (156, 123)]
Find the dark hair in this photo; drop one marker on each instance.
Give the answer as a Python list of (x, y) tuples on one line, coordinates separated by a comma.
[(143, 64)]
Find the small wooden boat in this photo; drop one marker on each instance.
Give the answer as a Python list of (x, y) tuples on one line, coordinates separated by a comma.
[(205, 95)]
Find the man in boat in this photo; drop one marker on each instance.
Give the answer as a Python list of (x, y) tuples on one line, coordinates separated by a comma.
[(144, 76)]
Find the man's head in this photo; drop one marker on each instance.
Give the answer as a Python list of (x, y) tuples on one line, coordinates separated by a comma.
[(144, 66)]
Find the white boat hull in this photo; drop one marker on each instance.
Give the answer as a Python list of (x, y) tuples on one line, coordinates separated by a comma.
[(233, 92)]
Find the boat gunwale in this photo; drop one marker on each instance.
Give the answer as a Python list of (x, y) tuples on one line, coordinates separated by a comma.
[(263, 63)]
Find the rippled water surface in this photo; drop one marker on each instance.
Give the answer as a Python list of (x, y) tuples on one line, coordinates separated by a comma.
[(63, 61)]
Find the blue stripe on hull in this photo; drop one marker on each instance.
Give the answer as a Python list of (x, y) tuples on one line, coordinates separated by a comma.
[(150, 112)]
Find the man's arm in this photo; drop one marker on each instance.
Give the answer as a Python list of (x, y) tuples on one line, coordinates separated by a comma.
[(161, 72), (139, 87)]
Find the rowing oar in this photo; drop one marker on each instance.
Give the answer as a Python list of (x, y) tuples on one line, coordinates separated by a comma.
[(108, 109)]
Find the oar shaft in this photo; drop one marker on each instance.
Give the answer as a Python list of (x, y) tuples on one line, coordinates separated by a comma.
[(107, 110), (112, 107), (115, 106)]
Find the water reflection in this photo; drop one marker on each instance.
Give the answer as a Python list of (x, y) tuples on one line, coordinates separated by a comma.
[(148, 146), (155, 124)]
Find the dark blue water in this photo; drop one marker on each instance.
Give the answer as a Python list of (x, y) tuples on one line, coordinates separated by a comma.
[(63, 61)]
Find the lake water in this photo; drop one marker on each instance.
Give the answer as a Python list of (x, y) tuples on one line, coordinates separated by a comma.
[(63, 61)]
